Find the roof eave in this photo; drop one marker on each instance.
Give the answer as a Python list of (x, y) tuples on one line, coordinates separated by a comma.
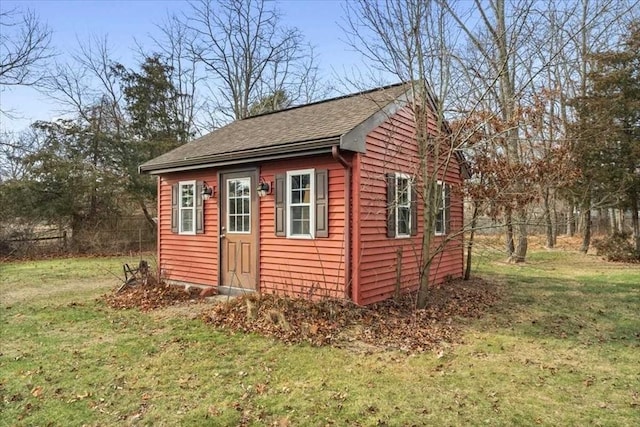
[(284, 151)]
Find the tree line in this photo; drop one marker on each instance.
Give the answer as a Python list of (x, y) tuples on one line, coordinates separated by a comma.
[(541, 96)]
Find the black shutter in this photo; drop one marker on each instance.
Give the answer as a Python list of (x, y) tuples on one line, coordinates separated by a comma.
[(414, 208), (322, 203), (447, 208), (281, 212), (174, 207), (199, 208), (391, 204)]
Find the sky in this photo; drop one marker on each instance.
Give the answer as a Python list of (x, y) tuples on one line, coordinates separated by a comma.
[(126, 23)]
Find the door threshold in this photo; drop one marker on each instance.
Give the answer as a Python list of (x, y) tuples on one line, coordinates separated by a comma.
[(233, 291)]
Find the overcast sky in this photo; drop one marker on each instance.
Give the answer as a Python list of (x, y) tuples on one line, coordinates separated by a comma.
[(126, 23)]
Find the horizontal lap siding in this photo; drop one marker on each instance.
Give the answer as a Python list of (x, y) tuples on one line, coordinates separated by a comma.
[(189, 258), (392, 148), (304, 267)]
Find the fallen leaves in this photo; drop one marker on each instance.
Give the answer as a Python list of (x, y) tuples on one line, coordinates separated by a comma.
[(391, 324), (37, 391), (150, 296)]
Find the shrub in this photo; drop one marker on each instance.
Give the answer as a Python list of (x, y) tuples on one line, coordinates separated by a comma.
[(617, 247)]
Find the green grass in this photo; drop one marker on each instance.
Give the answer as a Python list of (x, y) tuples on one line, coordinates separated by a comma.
[(563, 348)]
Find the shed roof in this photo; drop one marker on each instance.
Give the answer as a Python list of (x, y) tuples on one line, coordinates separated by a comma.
[(316, 126)]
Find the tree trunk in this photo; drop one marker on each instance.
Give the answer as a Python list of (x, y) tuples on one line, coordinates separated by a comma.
[(428, 191), (586, 238), (635, 222), (150, 222), (520, 254), (554, 219), (612, 221), (548, 220), (509, 246), (474, 220), (571, 220)]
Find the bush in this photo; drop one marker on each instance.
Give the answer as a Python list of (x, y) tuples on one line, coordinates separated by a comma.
[(617, 247)]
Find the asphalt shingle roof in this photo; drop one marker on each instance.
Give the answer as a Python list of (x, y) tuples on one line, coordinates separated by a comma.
[(316, 121)]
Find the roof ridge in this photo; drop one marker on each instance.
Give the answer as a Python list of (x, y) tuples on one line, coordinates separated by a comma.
[(336, 98)]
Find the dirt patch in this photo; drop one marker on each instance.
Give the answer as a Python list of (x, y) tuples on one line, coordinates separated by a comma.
[(392, 324)]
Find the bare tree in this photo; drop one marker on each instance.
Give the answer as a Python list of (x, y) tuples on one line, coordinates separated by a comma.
[(250, 54), (173, 45), (410, 40), (13, 148), (25, 44)]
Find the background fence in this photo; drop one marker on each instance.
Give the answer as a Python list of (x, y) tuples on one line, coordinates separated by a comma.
[(114, 236)]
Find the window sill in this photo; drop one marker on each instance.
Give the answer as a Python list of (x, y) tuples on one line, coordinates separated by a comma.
[(301, 237)]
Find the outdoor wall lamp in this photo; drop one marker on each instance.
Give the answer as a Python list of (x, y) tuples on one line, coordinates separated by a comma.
[(208, 191), (263, 188)]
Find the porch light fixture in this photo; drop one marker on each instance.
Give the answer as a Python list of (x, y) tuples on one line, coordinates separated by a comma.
[(263, 188), (208, 191)]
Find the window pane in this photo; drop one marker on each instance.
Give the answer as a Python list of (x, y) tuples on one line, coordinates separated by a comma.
[(295, 182), (403, 220), (295, 196), (239, 202), (187, 196), (296, 228), (440, 222), (300, 222), (187, 220), (403, 191)]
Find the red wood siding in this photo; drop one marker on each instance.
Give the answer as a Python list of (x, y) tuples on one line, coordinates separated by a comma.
[(188, 258), (392, 148), (304, 267)]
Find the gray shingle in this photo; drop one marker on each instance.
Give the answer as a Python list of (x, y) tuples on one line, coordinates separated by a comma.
[(317, 121)]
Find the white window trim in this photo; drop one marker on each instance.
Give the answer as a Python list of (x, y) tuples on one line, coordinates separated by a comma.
[(312, 204), (400, 175), (227, 214), (442, 208), (181, 209)]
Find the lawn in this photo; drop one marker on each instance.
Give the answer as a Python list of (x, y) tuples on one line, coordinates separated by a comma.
[(562, 348)]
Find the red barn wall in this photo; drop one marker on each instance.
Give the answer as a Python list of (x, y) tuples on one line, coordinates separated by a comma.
[(188, 258), (297, 267), (392, 148), (304, 267)]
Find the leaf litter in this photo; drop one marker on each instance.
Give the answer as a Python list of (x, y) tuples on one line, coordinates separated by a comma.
[(393, 324), (151, 296)]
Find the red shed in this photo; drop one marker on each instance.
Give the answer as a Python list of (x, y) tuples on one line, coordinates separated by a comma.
[(301, 202)]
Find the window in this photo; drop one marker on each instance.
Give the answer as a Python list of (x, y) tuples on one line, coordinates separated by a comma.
[(239, 205), (301, 199), (402, 213), (300, 187), (441, 209), (187, 207), (403, 205)]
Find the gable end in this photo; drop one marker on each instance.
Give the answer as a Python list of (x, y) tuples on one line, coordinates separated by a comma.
[(354, 140)]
